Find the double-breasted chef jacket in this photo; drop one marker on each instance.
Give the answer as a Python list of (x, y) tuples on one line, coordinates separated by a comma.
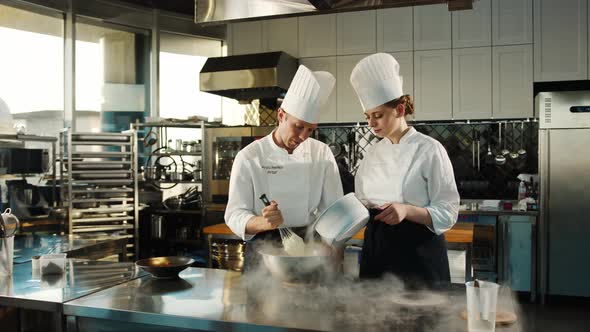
[(418, 172), (303, 183)]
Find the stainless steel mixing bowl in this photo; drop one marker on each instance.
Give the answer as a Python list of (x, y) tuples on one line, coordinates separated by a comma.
[(299, 269)]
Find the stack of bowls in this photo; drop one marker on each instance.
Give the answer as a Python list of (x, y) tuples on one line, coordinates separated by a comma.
[(228, 254)]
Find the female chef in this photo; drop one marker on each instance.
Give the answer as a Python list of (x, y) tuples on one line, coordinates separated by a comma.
[(406, 180)]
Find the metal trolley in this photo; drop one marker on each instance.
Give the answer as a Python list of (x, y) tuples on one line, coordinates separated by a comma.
[(99, 185)]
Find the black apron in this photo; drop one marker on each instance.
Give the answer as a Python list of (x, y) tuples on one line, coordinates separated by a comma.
[(408, 250)]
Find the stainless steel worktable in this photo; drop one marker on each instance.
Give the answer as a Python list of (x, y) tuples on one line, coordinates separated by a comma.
[(212, 300), (94, 247), (25, 290), (498, 213)]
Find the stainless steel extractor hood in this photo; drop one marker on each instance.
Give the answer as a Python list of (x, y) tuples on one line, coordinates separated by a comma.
[(221, 11), (250, 76)]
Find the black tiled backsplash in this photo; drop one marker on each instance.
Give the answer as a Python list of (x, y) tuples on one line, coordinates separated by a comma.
[(492, 181)]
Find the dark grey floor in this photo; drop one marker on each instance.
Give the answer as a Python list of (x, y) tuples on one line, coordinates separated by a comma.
[(556, 315)]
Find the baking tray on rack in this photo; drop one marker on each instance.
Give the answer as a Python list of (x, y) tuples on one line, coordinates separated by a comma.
[(103, 182), (114, 190), (101, 175), (111, 137), (106, 209), (88, 219), (100, 154), (103, 200), (100, 228), (105, 165), (102, 142)]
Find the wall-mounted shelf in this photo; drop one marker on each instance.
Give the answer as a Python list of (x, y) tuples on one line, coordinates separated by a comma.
[(171, 154), (171, 181)]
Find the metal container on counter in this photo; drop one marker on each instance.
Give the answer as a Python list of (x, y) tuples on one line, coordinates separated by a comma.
[(157, 227), (228, 254), (151, 173), (9, 225)]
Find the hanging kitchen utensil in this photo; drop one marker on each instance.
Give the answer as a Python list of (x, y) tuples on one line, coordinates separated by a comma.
[(514, 153), (350, 140), (521, 151), (505, 151), (500, 159), (335, 147), (489, 158), (477, 133), (472, 148), (150, 138)]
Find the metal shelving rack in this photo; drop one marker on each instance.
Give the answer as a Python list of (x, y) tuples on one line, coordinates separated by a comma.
[(162, 128), (161, 149), (99, 172), (45, 139)]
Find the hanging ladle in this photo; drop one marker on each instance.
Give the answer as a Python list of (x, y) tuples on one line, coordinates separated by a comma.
[(505, 151), (514, 153), (335, 147), (522, 151), (489, 157), (500, 159)]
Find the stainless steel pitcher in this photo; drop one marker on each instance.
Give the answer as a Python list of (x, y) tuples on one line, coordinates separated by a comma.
[(8, 227)]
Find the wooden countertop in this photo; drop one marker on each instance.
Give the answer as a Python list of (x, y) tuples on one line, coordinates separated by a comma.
[(462, 232)]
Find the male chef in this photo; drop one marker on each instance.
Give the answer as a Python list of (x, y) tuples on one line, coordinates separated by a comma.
[(297, 173)]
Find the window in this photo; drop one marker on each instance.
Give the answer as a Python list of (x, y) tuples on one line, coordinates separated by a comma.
[(32, 75), (112, 78), (181, 60)]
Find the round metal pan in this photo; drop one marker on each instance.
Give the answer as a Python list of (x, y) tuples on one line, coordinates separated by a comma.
[(165, 267)]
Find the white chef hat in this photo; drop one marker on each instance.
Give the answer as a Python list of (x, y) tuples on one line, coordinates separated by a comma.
[(307, 92), (376, 80)]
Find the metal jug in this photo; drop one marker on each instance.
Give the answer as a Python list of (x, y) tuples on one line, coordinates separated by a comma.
[(157, 227), (8, 224), (8, 227)]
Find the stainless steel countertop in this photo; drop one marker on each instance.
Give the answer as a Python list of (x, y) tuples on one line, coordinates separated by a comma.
[(27, 290), (207, 299), (498, 213), (28, 246)]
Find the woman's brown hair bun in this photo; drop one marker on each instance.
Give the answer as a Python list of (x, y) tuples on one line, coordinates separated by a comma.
[(406, 100)]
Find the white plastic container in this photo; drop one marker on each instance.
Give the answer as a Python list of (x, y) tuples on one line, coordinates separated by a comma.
[(481, 306), (342, 220), (53, 264)]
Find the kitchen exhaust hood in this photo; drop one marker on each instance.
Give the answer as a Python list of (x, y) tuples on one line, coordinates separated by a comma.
[(250, 76), (221, 11)]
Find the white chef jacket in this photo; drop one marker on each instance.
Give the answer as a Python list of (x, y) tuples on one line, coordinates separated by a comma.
[(427, 181), (310, 176)]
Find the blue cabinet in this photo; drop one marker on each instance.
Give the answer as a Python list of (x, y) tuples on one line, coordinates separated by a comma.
[(516, 245)]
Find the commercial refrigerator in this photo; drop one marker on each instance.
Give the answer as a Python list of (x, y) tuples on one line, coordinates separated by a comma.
[(564, 164)]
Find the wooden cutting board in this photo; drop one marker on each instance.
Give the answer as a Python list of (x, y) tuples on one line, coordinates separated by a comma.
[(503, 317)]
